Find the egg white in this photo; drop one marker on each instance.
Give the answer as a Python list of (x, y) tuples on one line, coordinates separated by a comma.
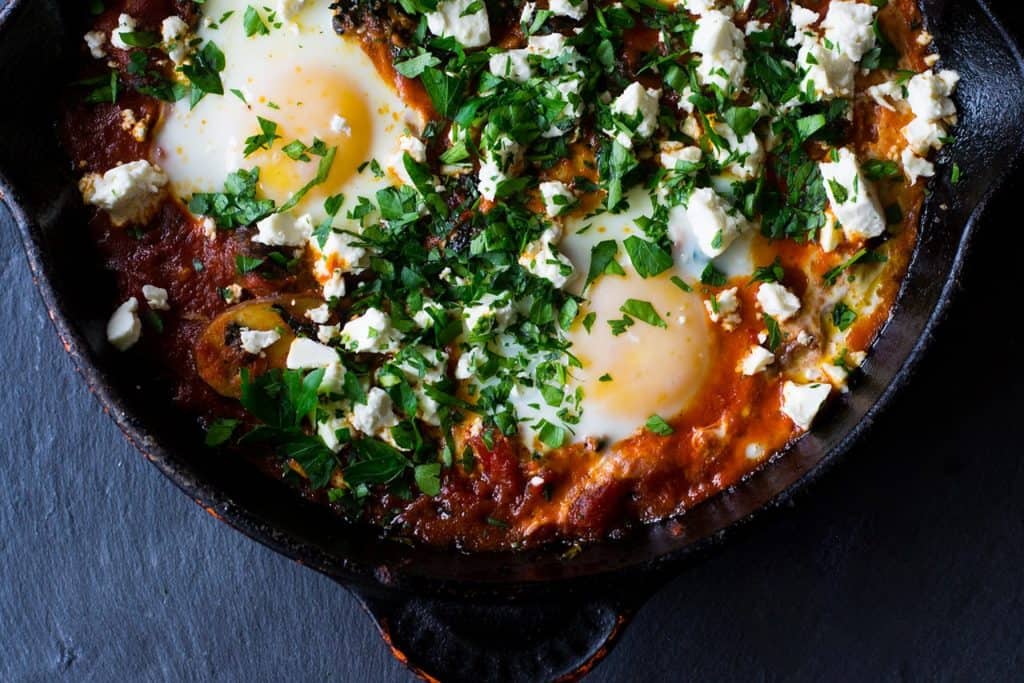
[(300, 76), (647, 370)]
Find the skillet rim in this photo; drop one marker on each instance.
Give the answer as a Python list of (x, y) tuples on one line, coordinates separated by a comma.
[(354, 574)]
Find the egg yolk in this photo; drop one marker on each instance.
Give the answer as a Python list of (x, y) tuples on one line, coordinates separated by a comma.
[(313, 105), (653, 370)]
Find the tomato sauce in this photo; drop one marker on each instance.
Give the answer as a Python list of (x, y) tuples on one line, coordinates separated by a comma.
[(501, 496)]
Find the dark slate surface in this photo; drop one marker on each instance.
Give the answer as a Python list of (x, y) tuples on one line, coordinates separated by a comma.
[(904, 563)]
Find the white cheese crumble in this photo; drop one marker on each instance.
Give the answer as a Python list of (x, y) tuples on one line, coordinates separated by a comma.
[(713, 222), (574, 9), (550, 46), (922, 135), (469, 362), (451, 20), (929, 97), (831, 234), (325, 334), (511, 64), (376, 415), (320, 314), (307, 354), (370, 333), (129, 192), (777, 301), (928, 94), (637, 110), (254, 341), (852, 196), (174, 32), (801, 17), (232, 294), (497, 162), (673, 153), (414, 147), (915, 167), (95, 40), (124, 327), (743, 157), (340, 252), (725, 308), (283, 230), (720, 44), (490, 177), (543, 260), (333, 380), (334, 287), (489, 314), (339, 125), (699, 7), (827, 74), (125, 24), (557, 197), (156, 297), (849, 26), (757, 360), (801, 402), (886, 91)]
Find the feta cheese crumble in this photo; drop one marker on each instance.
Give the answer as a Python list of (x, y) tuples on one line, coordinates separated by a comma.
[(756, 361), (849, 26), (557, 197), (129, 193), (464, 20), (174, 32), (720, 44), (125, 24), (777, 301), (95, 40), (339, 125), (370, 333), (801, 402), (543, 260), (374, 416), (574, 9), (282, 230), (714, 223), (307, 354), (124, 327), (636, 109), (511, 64), (156, 297), (254, 341), (852, 196), (724, 309)]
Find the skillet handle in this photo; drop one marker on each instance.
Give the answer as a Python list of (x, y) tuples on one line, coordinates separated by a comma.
[(465, 641)]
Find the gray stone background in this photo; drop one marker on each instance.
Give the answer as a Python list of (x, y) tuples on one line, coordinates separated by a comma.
[(904, 563)]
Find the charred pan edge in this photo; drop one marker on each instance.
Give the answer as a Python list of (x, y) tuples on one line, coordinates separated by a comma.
[(390, 579)]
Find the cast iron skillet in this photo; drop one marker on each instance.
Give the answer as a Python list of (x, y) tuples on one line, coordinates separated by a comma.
[(527, 616)]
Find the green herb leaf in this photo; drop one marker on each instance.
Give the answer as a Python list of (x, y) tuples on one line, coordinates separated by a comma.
[(648, 258), (843, 316), (656, 424), (602, 261), (643, 310), (253, 23), (220, 431), (428, 478)]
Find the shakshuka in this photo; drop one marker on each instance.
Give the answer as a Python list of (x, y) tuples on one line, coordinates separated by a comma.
[(490, 274)]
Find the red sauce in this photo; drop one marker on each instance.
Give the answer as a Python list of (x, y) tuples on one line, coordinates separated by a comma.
[(504, 497)]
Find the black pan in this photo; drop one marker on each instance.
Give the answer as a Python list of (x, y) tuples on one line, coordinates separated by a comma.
[(525, 616)]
